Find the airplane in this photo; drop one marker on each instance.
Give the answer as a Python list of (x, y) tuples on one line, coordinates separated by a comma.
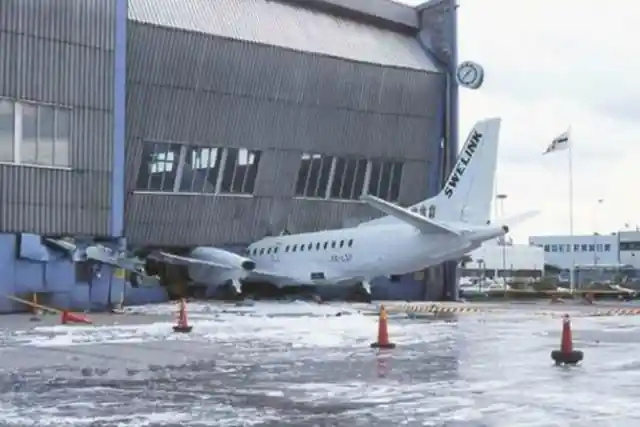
[(439, 229), (100, 254)]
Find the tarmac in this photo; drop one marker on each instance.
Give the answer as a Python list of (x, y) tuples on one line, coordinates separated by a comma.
[(299, 364)]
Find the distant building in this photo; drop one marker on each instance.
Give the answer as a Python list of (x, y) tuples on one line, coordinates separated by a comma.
[(510, 260), (566, 251), (629, 248), (596, 258)]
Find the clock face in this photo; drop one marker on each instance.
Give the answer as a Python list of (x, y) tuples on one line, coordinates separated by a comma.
[(470, 75)]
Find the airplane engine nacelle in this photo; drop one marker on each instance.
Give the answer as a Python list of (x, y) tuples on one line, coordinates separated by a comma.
[(221, 256), (199, 273)]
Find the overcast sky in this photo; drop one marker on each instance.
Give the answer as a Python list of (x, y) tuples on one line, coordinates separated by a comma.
[(550, 64)]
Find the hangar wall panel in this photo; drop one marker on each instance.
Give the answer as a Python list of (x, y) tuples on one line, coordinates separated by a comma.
[(201, 90), (283, 24), (58, 58)]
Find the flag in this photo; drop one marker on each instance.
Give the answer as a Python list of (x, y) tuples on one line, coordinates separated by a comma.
[(559, 143)]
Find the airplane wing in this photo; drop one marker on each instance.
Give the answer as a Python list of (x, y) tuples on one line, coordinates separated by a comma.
[(425, 225), (183, 260)]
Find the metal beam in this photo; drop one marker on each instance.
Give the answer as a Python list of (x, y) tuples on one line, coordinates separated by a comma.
[(381, 13)]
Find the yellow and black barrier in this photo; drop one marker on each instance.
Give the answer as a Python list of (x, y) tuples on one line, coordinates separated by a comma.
[(613, 312), (439, 309), (435, 309)]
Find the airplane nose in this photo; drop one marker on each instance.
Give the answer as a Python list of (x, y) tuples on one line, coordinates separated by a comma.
[(248, 265), (505, 229)]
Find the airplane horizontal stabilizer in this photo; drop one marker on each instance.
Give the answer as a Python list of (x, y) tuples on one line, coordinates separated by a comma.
[(517, 219), (425, 225)]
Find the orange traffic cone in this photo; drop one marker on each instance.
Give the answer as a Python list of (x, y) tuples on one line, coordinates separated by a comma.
[(566, 355), (67, 317), (383, 333), (183, 324)]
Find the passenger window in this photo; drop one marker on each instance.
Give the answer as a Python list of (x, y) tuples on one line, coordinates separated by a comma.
[(350, 242), (275, 250), (583, 248), (293, 249), (576, 248), (341, 243), (262, 251), (310, 246), (301, 248), (318, 246), (333, 244), (286, 248), (268, 250), (326, 245), (607, 247)]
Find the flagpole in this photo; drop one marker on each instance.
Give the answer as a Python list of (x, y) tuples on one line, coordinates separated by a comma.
[(573, 258)]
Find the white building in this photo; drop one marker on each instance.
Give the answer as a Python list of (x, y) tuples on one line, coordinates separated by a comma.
[(566, 251), (495, 260), (629, 248)]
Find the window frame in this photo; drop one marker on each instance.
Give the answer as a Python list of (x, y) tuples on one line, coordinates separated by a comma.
[(185, 157), (18, 134), (337, 176)]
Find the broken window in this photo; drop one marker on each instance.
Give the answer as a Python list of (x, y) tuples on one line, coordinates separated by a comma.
[(240, 171), (313, 175), (385, 179)]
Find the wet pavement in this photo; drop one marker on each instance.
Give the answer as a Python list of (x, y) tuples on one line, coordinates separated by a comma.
[(298, 364)]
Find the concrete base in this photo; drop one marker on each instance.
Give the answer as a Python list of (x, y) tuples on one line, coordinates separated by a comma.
[(570, 358), (387, 346), (182, 329)]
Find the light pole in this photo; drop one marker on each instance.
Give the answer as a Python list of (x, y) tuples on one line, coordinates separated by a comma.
[(481, 267), (501, 198), (596, 210)]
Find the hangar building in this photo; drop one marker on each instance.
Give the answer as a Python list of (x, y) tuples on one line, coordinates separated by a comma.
[(175, 123)]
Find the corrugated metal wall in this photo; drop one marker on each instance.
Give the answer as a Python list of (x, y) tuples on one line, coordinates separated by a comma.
[(205, 90), (201, 89), (61, 52)]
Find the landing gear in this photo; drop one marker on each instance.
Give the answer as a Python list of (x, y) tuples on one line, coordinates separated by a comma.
[(237, 286), (232, 290), (361, 292)]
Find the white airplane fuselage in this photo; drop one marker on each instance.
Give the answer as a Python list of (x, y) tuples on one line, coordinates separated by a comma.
[(335, 257)]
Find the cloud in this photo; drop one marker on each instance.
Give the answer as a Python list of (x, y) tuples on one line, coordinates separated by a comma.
[(550, 65)]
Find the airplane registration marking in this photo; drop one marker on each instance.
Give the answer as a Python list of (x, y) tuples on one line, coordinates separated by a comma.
[(341, 258)]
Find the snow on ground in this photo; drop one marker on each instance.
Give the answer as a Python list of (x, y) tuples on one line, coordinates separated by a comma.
[(298, 364)]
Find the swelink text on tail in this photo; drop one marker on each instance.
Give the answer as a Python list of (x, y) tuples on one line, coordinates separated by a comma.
[(464, 159)]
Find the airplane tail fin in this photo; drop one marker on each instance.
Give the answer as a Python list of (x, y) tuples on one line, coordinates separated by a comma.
[(468, 191)]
